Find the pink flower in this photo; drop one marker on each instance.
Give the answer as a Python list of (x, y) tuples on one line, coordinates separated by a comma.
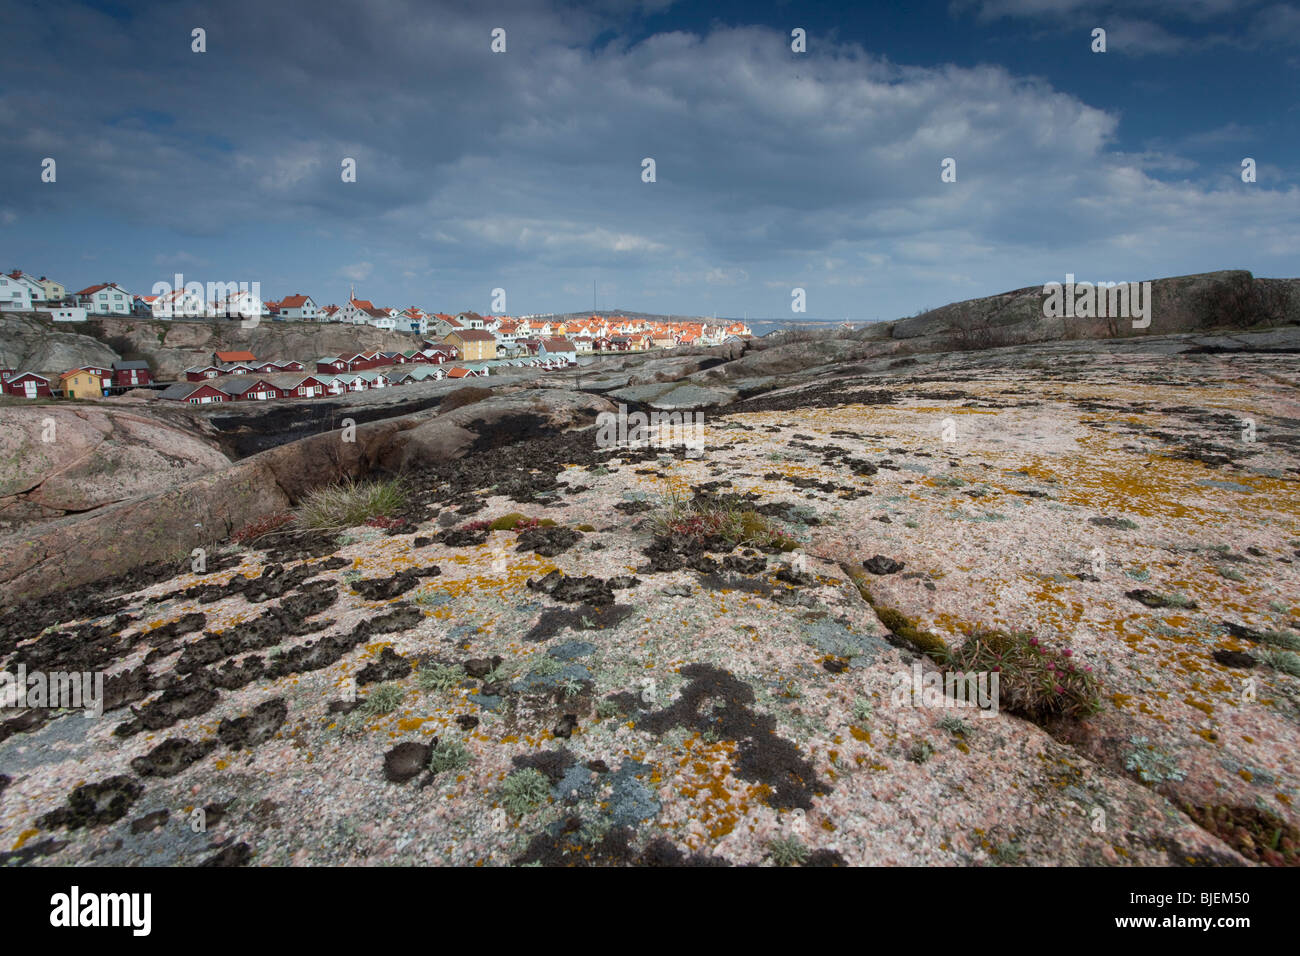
[(1033, 642), (1088, 668), (1067, 652), (1051, 666), (1060, 689)]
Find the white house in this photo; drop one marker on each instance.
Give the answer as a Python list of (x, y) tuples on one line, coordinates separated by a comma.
[(298, 308), (107, 298), (35, 288), (15, 296)]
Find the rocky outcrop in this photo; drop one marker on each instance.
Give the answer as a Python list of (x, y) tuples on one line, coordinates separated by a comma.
[(31, 342), (202, 512), (55, 460)]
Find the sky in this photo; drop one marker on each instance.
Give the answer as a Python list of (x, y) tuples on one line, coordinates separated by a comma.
[(524, 170)]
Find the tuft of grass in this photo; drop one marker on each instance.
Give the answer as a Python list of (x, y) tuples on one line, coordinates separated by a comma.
[(787, 851), (722, 522), (349, 504), (524, 791), (861, 710), (1034, 680), (1231, 574), (383, 699), (439, 677), (448, 756)]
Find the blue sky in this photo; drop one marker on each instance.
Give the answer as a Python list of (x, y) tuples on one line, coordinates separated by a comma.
[(774, 170)]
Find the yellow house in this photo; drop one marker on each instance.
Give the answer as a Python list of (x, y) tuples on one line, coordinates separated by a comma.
[(474, 345), (80, 383)]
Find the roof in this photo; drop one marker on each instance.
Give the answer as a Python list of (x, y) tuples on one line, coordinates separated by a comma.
[(183, 389), (294, 301), (131, 365), (235, 357), (474, 335), (78, 371), (557, 345)]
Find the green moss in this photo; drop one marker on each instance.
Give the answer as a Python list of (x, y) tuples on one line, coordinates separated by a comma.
[(585, 527)]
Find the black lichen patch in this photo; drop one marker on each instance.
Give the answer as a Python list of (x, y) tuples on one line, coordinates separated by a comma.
[(748, 561), (663, 852), (551, 764), (714, 701), (317, 654), (405, 761), (237, 854), (381, 589), (171, 757), (825, 858), (585, 618), (574, 590), (189, 697), (1155, 600), (464, 537), (288, 619), (548, 542), (559, 845), (255, 728), (94, 804), (150, 821), (1234, 659), (389, 666)]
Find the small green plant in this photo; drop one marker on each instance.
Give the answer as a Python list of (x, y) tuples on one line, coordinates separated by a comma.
[(1283, 639), (448, 755), (571, 687), (1232, 574), (606, 708), (1288, 662), (438, 677), (548, 666), (1009, 852), (349, 504), (955, 725), (1034, 680), (920, 751), (861, 710), (787, 851), (524, 791), (383, 699)]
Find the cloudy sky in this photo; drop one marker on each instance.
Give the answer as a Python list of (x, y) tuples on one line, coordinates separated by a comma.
[(524, 169)]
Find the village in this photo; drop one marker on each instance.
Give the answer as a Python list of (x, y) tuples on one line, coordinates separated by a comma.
[(463, 345)]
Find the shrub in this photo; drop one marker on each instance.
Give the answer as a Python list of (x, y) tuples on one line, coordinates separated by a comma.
[(787, 851), (523, 791), (439, 677), (448, 756), (1288, 662), (349, 504), (1034, 680), (383, 699)]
